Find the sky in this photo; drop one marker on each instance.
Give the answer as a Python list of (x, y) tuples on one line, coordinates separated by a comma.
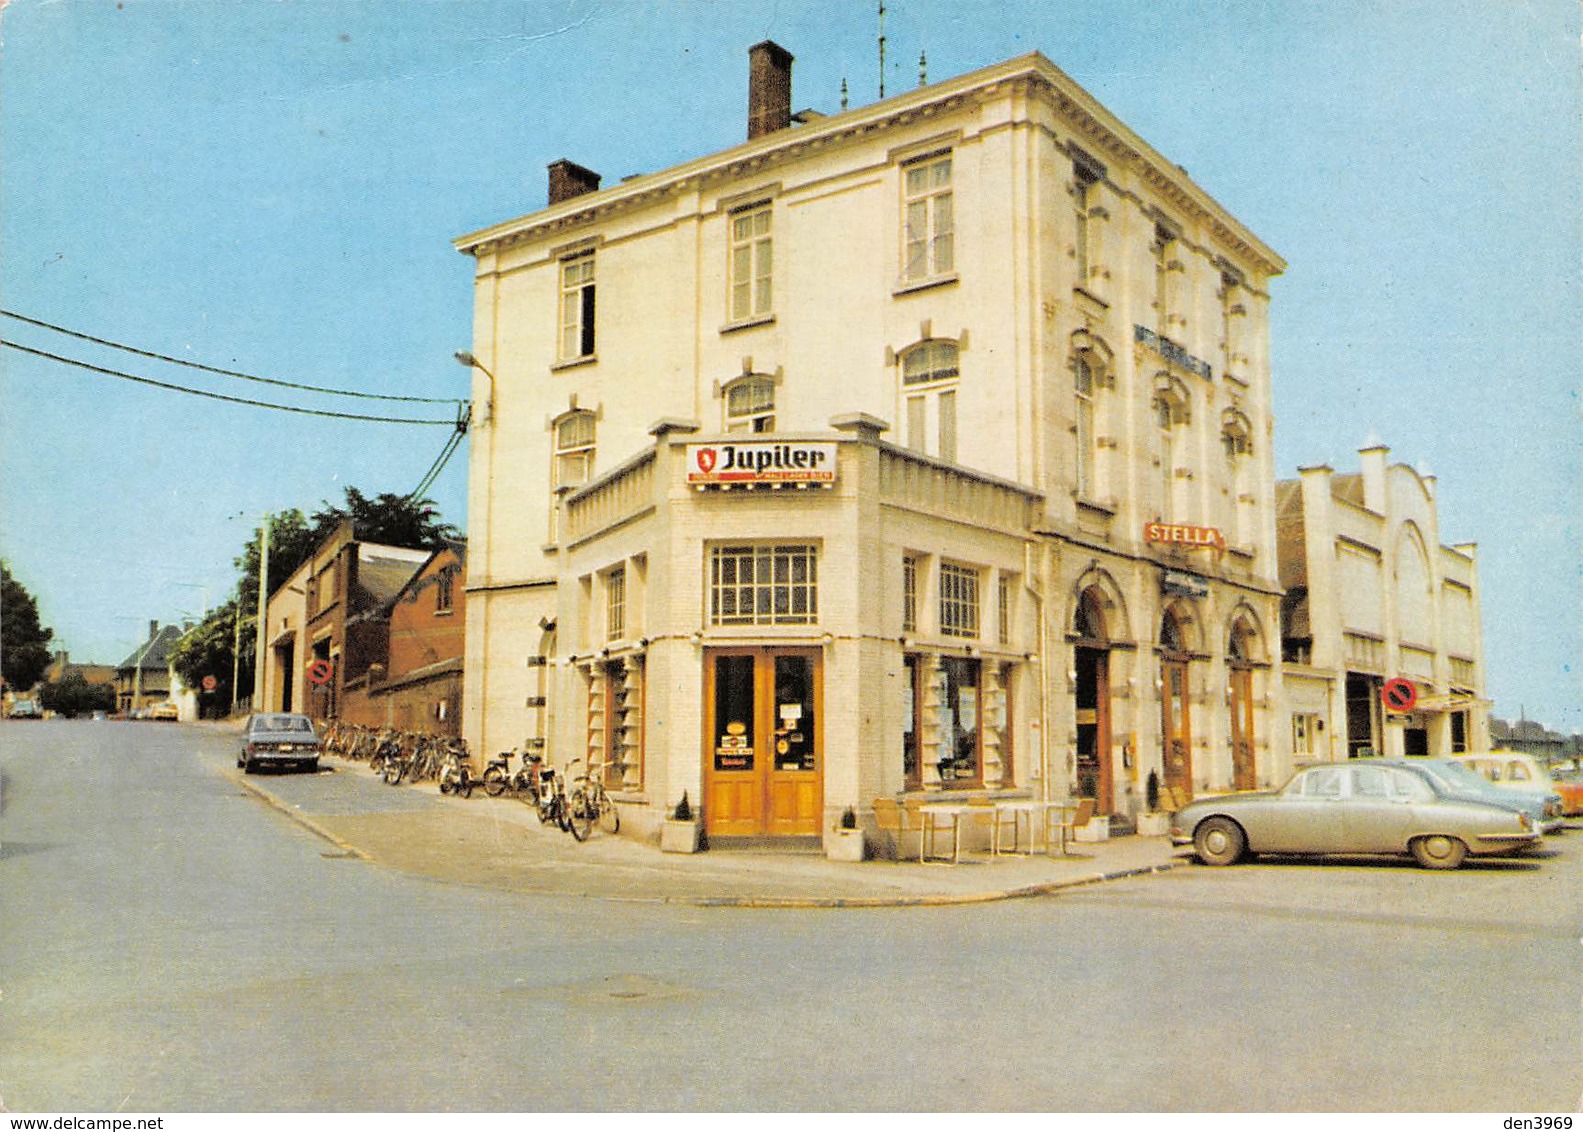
[(271, 187)]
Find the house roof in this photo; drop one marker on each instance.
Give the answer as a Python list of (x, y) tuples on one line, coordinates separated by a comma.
[(154, 652)]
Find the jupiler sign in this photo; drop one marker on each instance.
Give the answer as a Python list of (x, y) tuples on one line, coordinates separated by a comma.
[(756, 462)]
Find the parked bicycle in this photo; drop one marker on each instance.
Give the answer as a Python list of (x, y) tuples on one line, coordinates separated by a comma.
[(589, 802), (498, 776), (456, 769)]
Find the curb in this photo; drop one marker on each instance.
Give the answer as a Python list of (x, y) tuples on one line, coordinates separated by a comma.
[(301, 819)]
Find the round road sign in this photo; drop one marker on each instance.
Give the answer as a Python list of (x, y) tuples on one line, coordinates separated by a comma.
[(210, 683), (1399, 694), (320, 671)]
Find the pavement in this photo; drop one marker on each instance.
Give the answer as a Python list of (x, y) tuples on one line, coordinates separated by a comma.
[(500, 843)]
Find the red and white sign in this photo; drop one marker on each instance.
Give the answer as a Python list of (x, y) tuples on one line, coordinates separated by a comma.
[(320, 671), (755, 462), (210, 683), (1188, 537), (1399, 694)]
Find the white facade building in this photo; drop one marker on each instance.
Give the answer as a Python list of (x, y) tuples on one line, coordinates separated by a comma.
[(1373, 599), (921, 450)]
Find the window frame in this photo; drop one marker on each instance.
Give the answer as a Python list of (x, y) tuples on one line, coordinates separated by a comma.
[(567, 451), (577, 277), (961, 601), (928, 218), (929, 395), (615, 587), (757, 417), (763, 593), (751, 255)]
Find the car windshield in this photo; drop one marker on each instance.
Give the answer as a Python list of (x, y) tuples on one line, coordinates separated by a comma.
[(291, 723)]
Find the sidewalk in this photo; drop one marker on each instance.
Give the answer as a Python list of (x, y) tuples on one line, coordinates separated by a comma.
[(499, 843)]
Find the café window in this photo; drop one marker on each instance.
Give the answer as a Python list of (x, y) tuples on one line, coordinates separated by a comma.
[(959, 760), (764, 585)]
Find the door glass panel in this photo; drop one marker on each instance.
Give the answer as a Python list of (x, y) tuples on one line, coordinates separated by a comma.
[(733, 744), (961, 693), (794, 714)]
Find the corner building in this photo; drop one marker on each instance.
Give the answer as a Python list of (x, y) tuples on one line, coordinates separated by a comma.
[(918, 450)]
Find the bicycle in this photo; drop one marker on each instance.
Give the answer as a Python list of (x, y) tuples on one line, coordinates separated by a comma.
[(498, 777), (456, 769), (590, 802)]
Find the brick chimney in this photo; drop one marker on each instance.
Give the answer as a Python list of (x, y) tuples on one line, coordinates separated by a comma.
[(769, 89), (568, 180)]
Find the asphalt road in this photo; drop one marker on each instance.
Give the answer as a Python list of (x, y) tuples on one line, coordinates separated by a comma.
[(169, 943)]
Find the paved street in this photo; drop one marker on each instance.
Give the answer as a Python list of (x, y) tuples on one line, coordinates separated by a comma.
[(169, 942)]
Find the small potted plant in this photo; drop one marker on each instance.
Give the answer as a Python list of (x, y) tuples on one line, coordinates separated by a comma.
[(845, 842), (680, 833), (1154, 822)]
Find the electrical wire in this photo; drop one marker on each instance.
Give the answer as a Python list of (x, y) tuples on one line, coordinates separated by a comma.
[(440, 461), (224, 372), (221, 396)]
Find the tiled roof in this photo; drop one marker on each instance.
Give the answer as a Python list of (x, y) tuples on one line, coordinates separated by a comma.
[(155, 652)]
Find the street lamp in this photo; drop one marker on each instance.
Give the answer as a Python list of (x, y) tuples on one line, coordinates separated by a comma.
[(466, 358)]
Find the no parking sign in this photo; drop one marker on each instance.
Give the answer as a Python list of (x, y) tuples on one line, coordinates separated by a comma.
[(1399, 694), (320, 671)]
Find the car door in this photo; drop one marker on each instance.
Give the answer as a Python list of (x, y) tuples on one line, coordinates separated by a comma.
[(1378, 813), (1306, 817)]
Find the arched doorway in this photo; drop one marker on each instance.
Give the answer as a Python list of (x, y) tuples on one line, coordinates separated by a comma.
[(1176, 718), (1095, 776), (1244, 768)]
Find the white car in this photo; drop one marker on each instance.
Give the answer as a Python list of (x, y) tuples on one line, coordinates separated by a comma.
[(1514, 770)]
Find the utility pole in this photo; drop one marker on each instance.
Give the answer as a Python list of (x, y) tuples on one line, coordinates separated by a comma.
[(263, 599)]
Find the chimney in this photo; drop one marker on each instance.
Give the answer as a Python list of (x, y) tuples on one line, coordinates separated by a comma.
[(769, 89), (153, 629), (568, 180)]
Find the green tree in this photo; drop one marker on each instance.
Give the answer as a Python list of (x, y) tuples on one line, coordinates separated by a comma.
[(207, 649), (24, 643), (72, 696)]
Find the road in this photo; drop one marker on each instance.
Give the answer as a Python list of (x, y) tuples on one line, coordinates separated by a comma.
[(168, 943)]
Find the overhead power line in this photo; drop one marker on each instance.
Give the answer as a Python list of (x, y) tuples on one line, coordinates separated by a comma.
[(225, 372), (440, 461), (461, 406)]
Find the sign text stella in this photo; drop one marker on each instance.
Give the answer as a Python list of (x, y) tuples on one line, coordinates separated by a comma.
[(1183, 535)]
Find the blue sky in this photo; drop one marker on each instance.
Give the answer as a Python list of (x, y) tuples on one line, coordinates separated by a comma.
[(272, 187)]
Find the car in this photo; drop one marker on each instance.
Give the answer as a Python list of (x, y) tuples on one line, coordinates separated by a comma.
[(167, 711), (1513, 770), (98, 716), (1569, 784), (26, 709), (278, 738), (1358, 808), (1542, 807)]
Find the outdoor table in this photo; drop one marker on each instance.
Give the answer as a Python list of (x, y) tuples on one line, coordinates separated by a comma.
[(1020, 808)]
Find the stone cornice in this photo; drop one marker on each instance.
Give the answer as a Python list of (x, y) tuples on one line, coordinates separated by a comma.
[(1021, 77)]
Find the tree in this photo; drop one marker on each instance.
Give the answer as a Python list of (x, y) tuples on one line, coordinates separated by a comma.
[(207, 650), (72, 696), (24, 643)]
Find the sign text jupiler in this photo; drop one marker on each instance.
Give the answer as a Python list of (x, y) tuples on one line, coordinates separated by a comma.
[(752, 462), (1183, 535)]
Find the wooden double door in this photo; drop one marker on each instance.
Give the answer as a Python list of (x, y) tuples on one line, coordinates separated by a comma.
[(764, 737)]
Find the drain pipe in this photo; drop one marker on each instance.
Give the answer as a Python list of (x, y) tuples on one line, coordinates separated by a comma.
[(1037, 590)]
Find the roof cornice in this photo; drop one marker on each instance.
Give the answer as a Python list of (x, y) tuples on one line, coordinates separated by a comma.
[(1098, 127)]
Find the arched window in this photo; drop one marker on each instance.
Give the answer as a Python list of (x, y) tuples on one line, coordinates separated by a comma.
[(1088, 621), (929, 372), (1172, 409), (574, 448), (750, 404)]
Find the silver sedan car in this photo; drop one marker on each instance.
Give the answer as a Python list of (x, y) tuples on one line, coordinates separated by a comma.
[(1352, 808)]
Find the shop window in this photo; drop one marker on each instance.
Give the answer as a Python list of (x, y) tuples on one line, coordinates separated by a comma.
[(750, 405), (929, 227), (577, 306), (752, 264), (960, 763), (958, 601), (912, 731), (764, 585)]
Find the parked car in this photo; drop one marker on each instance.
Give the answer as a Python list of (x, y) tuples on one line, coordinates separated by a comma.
[(167, 711), (278, 739), (1569, 784), (1513, 770), (26, 709), (1542, 807), (1352, 808)]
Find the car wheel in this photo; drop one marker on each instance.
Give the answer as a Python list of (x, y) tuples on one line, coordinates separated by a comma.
[(1438, 851), (1219, 841)]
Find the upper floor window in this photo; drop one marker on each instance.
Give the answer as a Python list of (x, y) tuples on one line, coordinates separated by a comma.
[(616, 604), (959, 604), (1085, 181), (1083, 389), (928, 237), (752, 264), (1171, 411), (909, 594), (1165, 251), (574, 448), (577, 306), (928, 376), (750, 405), (764, 585), (443, 591)]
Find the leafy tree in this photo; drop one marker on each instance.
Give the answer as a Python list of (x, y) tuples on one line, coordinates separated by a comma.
[(207, 650), (24, 643), (72, 696)]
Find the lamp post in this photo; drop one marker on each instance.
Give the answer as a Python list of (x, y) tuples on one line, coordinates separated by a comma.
[(466, 358), (263, 599)]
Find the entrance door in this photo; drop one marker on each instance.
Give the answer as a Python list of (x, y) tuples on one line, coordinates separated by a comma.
[(1094, 773), (1176, 727), (763, 772), (1244, 772)]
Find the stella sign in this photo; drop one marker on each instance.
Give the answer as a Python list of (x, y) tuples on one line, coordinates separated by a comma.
[(755, 462), (1184, 536)]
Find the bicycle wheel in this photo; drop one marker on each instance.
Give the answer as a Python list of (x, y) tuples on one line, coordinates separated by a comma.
[(609, 816), (494, 781), (578, 818)]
